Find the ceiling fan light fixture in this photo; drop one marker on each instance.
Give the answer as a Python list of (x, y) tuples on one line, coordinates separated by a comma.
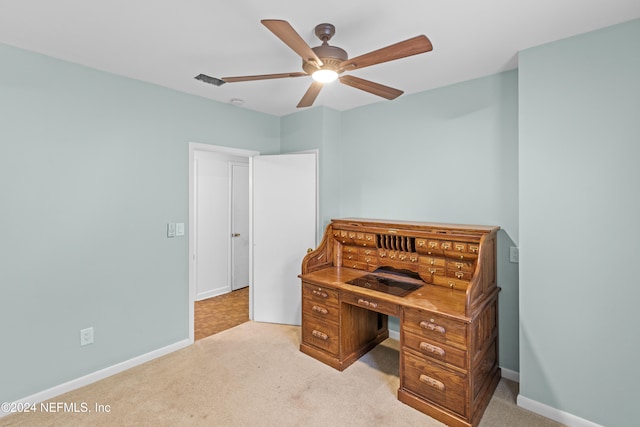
[(324, 75)]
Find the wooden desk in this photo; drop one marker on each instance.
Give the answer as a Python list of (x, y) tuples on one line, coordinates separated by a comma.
[(448, 325)]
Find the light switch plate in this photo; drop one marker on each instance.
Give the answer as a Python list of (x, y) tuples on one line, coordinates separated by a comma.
[(179, 228), (171, 229), (514, 254)]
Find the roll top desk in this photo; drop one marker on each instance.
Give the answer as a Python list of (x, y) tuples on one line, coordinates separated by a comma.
[(438, 279)]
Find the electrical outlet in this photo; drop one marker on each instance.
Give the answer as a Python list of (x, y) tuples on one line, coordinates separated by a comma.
[(514, 254), (86, 336)]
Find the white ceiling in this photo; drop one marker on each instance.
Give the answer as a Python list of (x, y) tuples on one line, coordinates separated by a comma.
[(169, 42)]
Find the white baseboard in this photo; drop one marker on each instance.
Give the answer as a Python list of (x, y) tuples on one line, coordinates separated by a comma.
[(99, 375), (562, 417), (510, 375), (394, 335), (212, 293)]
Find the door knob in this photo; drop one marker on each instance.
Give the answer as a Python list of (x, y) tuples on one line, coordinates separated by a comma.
[(235, 235)]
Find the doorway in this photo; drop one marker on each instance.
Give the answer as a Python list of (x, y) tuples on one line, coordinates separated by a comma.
[(300, 172), (210, 257)]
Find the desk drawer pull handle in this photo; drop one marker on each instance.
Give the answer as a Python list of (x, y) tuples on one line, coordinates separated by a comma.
[(320, 310), (432, 327), (320, 335), (367, 303), (320, 294), (432, 349), (432, 382)]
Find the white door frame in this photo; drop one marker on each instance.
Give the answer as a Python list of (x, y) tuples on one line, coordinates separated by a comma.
[(193, 147)]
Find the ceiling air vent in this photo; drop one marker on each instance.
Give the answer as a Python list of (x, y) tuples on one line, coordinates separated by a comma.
[(211, 80)]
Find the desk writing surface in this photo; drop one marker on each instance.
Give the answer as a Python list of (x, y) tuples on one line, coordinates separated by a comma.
[(428, 297)]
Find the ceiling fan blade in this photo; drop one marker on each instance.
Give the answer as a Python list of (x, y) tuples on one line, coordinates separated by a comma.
[(371, 87), (310, 95), (285, 32), (413, 46), (262, 77)]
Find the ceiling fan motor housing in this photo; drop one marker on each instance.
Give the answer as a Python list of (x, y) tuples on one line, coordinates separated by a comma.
[(331, 57)]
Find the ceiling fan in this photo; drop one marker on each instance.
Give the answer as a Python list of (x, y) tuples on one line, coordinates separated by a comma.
[(326, 63)]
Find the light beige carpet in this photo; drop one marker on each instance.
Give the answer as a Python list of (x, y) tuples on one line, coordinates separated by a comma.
[(254, 375)]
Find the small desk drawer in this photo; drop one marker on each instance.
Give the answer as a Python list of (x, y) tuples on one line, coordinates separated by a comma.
[(368, 252), (435, 327), (434, 382), (358, 265), (457, 265), (347, 249), (432, 261), (349, 254), (320, 310), (456, 283), (366, 240), (371, 303), (322, 295), (436, 350), (321, 334), (460, 275), (461, 256), (428, 273), (342, 236)]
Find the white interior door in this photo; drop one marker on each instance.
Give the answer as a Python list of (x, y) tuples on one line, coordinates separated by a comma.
[(211, 225), (284, 197), (239, 225)]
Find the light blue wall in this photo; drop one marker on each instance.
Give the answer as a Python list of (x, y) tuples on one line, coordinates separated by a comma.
[(318, 128), (92, 167), (579, 228), (446, 155)]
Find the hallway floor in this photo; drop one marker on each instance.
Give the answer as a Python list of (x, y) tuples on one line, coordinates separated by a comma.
[(217, 314)]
